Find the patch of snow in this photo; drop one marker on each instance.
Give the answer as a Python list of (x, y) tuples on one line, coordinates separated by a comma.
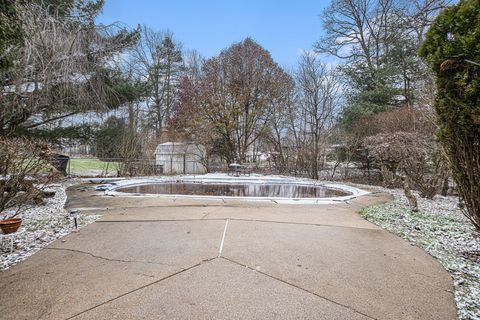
[(43, 225), (441, 229)]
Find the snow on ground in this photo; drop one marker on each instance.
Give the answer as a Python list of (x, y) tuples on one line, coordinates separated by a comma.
[(443, 231), (43, 225), (439, 227)]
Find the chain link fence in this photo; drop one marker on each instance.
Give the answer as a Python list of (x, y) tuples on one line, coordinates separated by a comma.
[(119, 167)]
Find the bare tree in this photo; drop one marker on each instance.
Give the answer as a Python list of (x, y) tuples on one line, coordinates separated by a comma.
[(188, 96), (236, 91), (357, 29), (418, 15), (280, 104), (379, 41), (317, 98), (347, 144), (157, 60), (368, 30)]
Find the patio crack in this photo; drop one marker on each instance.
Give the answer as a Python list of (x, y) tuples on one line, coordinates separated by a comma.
[(110, 259), (142, 287), (300, 288)]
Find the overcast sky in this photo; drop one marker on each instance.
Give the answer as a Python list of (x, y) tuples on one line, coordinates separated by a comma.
[(283, 27)]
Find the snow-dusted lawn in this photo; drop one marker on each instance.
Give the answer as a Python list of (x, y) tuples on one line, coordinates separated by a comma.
[(441, 229), (43, 225)]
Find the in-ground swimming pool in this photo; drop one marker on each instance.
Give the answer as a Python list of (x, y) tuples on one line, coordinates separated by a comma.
[(260, 190)]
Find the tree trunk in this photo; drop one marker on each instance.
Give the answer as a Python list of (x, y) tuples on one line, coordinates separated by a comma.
[(412, 201), (445, 187)]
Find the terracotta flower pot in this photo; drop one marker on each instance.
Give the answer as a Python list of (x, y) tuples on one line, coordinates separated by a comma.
[(10, 225)]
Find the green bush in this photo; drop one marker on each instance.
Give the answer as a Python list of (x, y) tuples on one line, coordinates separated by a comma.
[(452, 48)]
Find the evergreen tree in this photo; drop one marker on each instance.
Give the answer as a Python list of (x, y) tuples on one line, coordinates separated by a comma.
[(109, 139), (452, 48), (10, 33), (61, 66)]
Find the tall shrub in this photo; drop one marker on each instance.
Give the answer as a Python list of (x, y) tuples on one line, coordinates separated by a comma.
[(452, 48), (25, 174)]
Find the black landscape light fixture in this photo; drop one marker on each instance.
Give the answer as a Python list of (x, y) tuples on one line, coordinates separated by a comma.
[(75, 214)]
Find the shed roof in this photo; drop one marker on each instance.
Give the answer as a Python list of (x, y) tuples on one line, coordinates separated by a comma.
[(179, 147)]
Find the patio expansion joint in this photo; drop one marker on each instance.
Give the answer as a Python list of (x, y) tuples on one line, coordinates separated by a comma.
[(142, 287), (298, 287), (109, 259), (222, 242), (373, 228)]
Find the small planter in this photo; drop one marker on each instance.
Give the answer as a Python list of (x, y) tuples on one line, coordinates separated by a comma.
[(10, 225)]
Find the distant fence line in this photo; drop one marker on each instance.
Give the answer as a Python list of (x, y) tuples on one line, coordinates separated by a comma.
[(113, 167), (104, 167)]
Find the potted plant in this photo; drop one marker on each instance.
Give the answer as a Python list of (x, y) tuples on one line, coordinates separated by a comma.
[(25, 172), (10, 224)]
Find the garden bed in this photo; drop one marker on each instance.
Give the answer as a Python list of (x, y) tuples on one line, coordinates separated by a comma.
[(444, 232), (43, 225)]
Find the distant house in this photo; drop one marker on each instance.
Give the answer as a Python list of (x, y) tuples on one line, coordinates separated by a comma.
[(180, 158)]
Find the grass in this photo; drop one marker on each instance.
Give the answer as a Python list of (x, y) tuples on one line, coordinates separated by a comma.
[(91, 166)]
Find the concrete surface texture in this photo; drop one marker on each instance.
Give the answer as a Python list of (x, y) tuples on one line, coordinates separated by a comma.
[(189, 259)]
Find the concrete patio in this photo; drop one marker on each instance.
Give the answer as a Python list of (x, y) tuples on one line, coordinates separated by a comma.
[(153, 258)]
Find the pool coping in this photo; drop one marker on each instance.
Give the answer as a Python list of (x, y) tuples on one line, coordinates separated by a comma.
[(258, 179)]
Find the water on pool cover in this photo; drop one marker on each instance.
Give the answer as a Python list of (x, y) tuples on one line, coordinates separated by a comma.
[(236, 190)]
